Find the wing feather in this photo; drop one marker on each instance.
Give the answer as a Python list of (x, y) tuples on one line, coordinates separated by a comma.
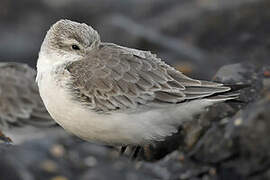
[(116, 77)]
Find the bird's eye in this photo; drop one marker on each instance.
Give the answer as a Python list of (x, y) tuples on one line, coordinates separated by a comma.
[(75, 47)]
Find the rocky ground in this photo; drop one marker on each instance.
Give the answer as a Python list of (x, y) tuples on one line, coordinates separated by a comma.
[(227, 141)]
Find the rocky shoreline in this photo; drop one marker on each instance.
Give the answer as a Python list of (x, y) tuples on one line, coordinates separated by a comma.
[(225, 41), (228, 140)]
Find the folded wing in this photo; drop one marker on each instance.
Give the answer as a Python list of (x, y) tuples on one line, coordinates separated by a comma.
[(114, 77)]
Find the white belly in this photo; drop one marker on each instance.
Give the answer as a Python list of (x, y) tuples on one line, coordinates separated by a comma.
[(76, 118), (114, 128)]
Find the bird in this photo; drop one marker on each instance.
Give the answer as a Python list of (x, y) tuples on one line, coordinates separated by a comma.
[(20, 102), (114, 95)]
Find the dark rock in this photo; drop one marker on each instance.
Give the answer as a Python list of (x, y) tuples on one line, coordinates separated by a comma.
[(78, 159), (238, 145), (249, 131)]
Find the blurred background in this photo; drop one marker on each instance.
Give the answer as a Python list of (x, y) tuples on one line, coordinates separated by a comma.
[(197, 37)]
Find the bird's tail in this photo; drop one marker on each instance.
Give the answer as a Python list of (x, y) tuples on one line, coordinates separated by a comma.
[(232, 94)]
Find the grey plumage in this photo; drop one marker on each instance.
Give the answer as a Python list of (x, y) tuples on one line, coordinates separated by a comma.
[(20, 103), (112, 77)]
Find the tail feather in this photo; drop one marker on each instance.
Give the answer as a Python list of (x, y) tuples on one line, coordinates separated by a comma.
[(232, 94), (223, 97)]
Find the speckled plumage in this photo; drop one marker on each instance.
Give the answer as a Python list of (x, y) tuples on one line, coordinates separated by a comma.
[(113, 78), (106, 93)]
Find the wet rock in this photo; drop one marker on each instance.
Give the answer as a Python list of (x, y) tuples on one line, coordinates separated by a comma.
[(237, 144), (249, 131), (67, 157), (82, 160)]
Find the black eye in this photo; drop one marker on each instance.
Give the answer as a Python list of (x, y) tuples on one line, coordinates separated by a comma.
[(75, 47)]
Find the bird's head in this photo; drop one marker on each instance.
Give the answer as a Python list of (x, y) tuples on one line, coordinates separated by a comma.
[(68, 41)]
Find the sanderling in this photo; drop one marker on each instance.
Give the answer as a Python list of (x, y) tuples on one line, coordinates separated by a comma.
[(106, 93)]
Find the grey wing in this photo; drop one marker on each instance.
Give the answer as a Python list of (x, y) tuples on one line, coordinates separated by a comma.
[(114, 77), (20, 102)]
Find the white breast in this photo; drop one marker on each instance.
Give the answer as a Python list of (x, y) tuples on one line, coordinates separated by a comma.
[(113, 128), (77, 118), (70, 115)]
